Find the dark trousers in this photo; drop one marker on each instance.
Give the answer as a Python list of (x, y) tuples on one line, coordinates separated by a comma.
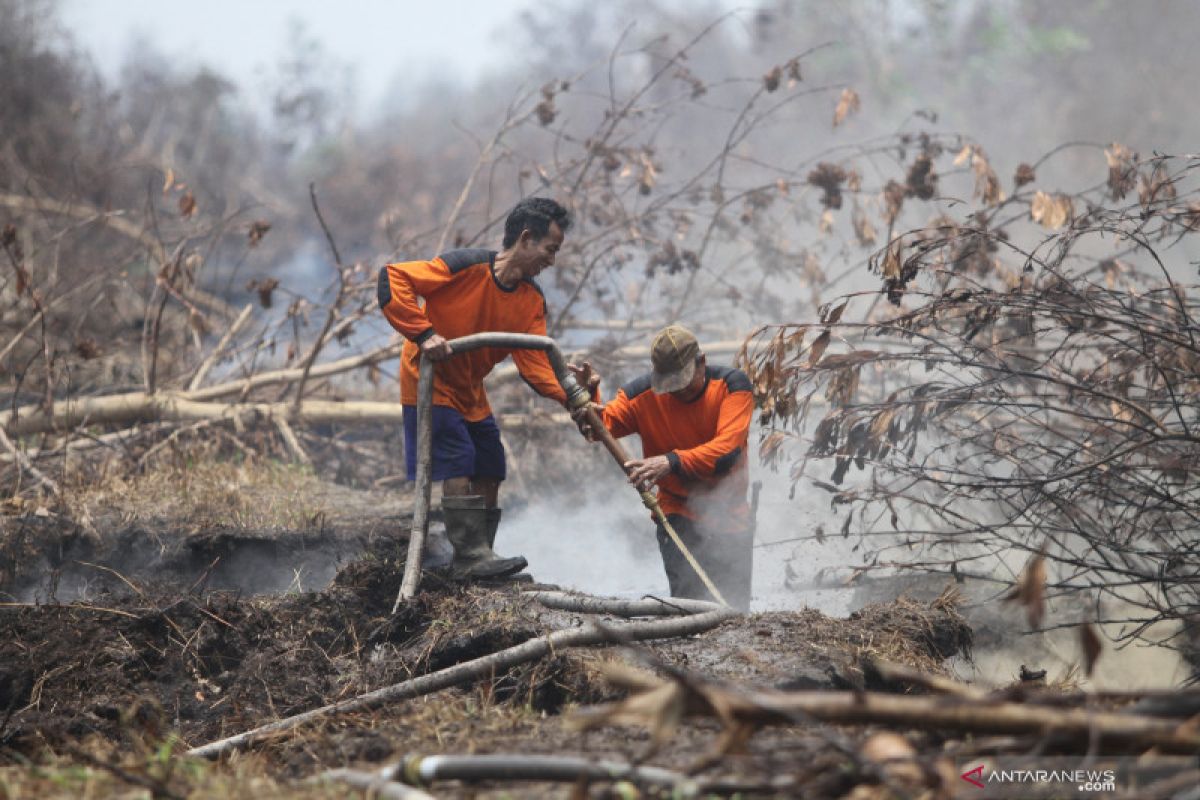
[(726, 557)]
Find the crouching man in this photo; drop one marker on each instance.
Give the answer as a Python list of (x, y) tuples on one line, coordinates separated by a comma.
[(694, 422)]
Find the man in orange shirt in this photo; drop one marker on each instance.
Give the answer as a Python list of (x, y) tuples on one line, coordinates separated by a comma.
[(473, 291), (694, 423)]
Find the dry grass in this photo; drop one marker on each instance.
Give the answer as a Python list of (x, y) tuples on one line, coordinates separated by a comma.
[(252, 494)]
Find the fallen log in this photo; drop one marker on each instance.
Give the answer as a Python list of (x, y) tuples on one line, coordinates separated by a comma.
[(130, 409), (740, 711)]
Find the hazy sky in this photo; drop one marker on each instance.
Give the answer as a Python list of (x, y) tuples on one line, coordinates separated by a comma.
[(382, 40)]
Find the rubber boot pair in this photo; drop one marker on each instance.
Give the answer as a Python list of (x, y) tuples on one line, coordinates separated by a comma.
[(471, 527)]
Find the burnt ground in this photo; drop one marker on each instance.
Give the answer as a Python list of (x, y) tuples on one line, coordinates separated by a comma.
[(166, 650)]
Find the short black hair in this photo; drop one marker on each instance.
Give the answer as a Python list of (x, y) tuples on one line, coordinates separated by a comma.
[(535, 215)]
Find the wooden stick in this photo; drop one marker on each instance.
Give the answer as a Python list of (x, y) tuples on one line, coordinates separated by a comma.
[(206, 365), (650, 501)]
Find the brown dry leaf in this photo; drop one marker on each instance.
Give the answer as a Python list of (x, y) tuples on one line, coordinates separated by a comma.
[(1120, 411), (1051, 211), (847, 104), (187, 204), (258, 229), (818, 348), (1122, 173), (891, 261), (793, 71), (881, 424), (87, 348), (1089, 642), (829, 177), (987, 185), (1112, 269), (922, 179), (830, 314), (1024, 175), (198, 323), (863, 229), (264, 289), (648, 177), (1030, 590), (168, 180), (771, 79), (659, 705), (893, 200), (1158, 188), (826, 223), (770, 445)]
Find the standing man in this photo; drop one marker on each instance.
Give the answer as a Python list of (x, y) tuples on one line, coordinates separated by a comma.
[(694, 422), (466, 292)]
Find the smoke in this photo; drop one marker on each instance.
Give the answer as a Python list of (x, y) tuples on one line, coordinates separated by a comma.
[(605, 546)]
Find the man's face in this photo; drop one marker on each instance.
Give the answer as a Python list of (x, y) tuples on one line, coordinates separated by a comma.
[(536, 255), (695, 387)]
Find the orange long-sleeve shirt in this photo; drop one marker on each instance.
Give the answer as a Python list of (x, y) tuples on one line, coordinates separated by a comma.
[(462, 296), (706, 441)]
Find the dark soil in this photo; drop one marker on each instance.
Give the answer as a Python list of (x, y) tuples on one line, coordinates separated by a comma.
[(161, 649)]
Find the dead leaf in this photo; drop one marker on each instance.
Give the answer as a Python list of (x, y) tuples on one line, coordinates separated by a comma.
[(168, 180), (648, 176), (1122, 171), (864, 231), (891, 261), (258, 229), (987, 185), (921, 180), (1030, 590), (829, 178), (771, 79), (1158, 188), (881, 424), (187, 204), (1089, 642), (1024, 175), (826, 223), (830, 314), (264, 289), (848, 103), (1051, 211), (197, 322), (818, 348)]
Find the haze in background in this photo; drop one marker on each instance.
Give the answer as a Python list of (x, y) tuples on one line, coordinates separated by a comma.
[(387, 47)]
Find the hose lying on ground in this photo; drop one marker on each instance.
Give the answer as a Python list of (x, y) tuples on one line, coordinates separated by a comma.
[(376, 784), (698, 616), (421, 771)]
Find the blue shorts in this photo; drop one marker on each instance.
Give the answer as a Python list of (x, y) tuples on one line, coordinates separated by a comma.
[(461, 449)]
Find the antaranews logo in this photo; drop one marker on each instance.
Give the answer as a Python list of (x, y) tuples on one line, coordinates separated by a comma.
[(1084, 780)]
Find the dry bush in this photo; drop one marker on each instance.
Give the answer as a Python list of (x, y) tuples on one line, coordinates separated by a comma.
[(1027, 395)]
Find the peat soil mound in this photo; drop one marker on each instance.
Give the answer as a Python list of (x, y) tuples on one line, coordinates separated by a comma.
[(204, 665)]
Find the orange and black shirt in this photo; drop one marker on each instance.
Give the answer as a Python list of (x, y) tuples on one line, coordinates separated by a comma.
[(462, 296), (706, 441)]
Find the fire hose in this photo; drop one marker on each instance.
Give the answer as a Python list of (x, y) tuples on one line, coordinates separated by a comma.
[(577, 398)]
